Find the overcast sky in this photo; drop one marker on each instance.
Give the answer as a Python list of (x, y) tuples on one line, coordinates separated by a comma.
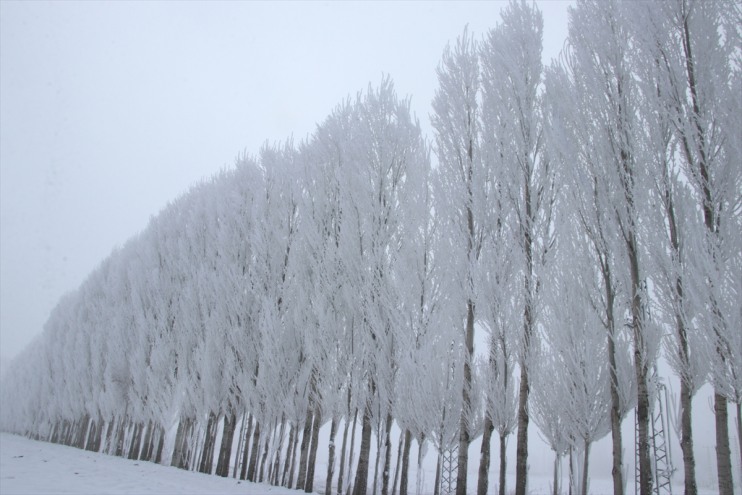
[(110, 110)]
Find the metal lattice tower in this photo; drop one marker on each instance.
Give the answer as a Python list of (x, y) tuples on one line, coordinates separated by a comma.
[(449, 468), (662, 464), (659, 446)]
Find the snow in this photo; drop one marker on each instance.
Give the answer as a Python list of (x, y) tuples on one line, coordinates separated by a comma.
[(32, 467)]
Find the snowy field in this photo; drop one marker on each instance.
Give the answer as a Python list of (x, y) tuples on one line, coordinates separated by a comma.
[(31, 467)]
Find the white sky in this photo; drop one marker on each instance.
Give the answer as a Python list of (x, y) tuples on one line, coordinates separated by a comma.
[(110, 110)]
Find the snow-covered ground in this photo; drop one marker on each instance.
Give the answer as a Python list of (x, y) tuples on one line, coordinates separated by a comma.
[(31, 467)]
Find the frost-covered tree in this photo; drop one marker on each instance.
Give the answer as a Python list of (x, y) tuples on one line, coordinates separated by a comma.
[(588, 218), (512, 107), (464, 184), (599, 65), (695, 51)]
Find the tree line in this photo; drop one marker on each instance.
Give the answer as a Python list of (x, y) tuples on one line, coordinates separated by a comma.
[(586, 217)]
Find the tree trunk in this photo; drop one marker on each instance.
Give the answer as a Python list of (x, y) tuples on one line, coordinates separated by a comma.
[(309, 482), (160, 444), (437, 488), (521, 455), (240, 440), (404, 480), (341, 473), (304, 450), (466, 401), (723, 452), (277, 477), (252, 466), (82, 432), (503, 461), (207, 454), (266, 446), (293, 457), (120, 434), (484, 459), (289, 455), (352, 448), (246, 449), (225, 451), (146, 453), (331, 455), (739, 431), (557, 458), (178, 448), (400, 446), (641, 366), (585, 461), (90, 442), (572, 472), (376, 463), (387, 456), (686, 440), (617, 469), (360, 485)]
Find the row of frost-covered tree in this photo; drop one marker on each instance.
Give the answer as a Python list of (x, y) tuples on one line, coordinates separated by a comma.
[(584, 218)]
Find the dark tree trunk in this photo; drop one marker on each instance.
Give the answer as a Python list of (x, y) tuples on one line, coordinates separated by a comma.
[(723, 452), (120, 434), (641, 366), (387, 456), (225, 451), (292, 469), (160, 444), (146, 453), (276, 477), (437, 487), (82, 432), (405, 480), (289, 455), (240, 440), (266, 446), (331, 456), (90, 442), (360, 485), (304, 450), (246, 449), (466, 399), (207, 454), (585, 465), (617, 469), (376, 463), (309, 482), (110, 427), (352, 448), (400, 447), (503, 461), (686, 440), (178, 447), (254, 453), (136, 441), (521, 455), (341, 473), (557, 459), (484, 458)]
